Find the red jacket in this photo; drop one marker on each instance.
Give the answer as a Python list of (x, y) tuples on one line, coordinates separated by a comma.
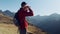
[(21, 15)]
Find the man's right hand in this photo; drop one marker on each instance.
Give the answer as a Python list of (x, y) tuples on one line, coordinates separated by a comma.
[(26, 8)]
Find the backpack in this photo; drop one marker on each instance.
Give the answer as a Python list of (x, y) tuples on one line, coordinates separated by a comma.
[(16, 20)]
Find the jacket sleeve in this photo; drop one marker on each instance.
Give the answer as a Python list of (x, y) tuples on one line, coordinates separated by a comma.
[(30, 13)]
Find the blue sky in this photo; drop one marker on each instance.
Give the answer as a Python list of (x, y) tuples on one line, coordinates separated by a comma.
[(40, 7)]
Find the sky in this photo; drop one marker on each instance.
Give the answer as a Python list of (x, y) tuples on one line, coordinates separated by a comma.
[(39, 7)]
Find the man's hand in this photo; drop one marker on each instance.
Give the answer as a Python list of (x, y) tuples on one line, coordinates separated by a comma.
[(26, 8)]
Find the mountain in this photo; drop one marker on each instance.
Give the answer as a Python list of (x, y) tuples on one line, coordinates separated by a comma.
[(50, 24), (1, 11), (7, 13), (6, 19)]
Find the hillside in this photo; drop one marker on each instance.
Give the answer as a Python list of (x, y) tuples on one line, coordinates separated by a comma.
[(7, 27), (11, 29), (5, 19), (50, 24)]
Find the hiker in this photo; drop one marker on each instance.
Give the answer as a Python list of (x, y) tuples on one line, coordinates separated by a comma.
[(23, 12)]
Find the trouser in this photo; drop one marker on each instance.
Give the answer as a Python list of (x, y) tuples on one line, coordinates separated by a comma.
[(23, 31)]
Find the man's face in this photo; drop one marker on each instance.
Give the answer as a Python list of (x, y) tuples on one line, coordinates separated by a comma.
[(25, 5)]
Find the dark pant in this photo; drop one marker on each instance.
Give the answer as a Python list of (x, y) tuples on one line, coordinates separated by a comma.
[(23, 31)]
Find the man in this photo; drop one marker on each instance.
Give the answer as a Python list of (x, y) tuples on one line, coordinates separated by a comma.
[(23, 12)]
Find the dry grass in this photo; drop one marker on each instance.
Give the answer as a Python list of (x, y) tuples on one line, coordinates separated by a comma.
[(11, 29), (8, 29), (6, 26)]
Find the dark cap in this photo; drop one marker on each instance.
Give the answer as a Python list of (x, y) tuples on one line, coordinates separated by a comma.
[(23, 4)]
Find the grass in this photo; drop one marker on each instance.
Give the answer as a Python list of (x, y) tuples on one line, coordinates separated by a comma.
[(11, 29), (8, 29)]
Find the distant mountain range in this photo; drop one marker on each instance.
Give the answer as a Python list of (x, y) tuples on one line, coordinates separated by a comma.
[(7, 13), (50, 24)]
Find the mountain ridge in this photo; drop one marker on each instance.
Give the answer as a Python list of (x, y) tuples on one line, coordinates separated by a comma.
[(49, 23)]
